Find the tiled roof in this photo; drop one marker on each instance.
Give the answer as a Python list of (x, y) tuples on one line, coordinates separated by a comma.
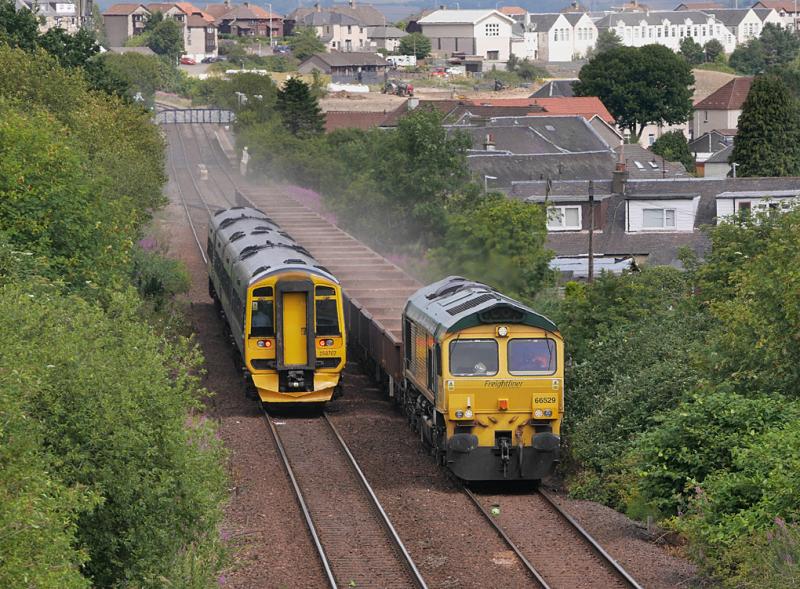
[(352, 120), (511, 10), (366, 14), (318, 19), (586, 106), (217, 10), (555, 88), (122, 9), (643, 163), (338, 59), (730, 97), (730, 17), (723, 156), (514, 168), (652, 18), (543, 22), (388, 32), (197, 20), (785, 5)]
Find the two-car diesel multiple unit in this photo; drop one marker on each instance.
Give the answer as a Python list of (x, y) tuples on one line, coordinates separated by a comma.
[(283, 309), (484, 381)]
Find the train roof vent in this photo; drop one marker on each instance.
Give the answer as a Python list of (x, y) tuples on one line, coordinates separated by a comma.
[(300, 249), (252, 249), (219, 212), (453, 286), (260, 230), (294, 261), (285, 235), (236, 208), (238, 235), (261, 269), (470, 303)]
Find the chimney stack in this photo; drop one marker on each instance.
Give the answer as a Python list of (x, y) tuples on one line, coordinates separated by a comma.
[(619, 178), (488, 143), (317, 7), (352, 3)]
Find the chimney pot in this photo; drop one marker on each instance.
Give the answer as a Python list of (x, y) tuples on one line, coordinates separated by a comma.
[(488, 143)]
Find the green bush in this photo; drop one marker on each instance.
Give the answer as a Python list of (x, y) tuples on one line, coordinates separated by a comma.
[(158, 279), (117, 410)]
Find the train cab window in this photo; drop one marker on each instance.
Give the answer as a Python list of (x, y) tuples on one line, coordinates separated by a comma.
[(473, 357), (531, 356), (327, 317), (261, 319), (262, 291)]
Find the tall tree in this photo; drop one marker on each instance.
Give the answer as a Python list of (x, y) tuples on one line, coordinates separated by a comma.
[(152, 21), (70, 50), (305, 43), (299, 109), (606, 40), (639, 85), (768, 141), (166, 39), (780, 45), (673, 147), (750, 58), (692, 51), (415, 44), (18, 28), (714, 51)]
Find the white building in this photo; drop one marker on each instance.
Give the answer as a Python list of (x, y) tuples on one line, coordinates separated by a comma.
[(787, 11), (485, 33), (745, 23), (339, 32), (667, 28), (584, 33), (751, 201), (554, 35), (664, 213), (385, 37)]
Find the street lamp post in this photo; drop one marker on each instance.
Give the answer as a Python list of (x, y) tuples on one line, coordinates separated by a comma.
[(269, 24)]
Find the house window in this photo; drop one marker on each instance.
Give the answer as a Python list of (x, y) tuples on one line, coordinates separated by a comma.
[(705, 116), (567, 218), (744, 207), (492, 29), (651, 138), (555, 35), (492, 55), (658, 218), (349, 29)]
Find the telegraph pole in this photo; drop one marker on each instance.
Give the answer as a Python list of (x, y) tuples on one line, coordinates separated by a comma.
[(591, 231)]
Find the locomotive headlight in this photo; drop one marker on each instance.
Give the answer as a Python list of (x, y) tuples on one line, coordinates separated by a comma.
[(264, 343), (538, 413), (548, 412), (502, 331), (468, 413), (459, 413)]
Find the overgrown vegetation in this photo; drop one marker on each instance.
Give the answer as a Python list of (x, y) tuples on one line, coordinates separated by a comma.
[(109, 475), (683, 402)]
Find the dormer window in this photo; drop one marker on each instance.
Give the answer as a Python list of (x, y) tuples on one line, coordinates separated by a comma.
[(564, 218), (658, 218)]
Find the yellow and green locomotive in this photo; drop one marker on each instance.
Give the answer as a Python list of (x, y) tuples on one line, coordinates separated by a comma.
[(483, 381), (283, 309)]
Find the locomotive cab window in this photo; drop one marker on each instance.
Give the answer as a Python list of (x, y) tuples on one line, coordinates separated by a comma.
[(473, 357), (531, 356), (327, 322), (261, 320)]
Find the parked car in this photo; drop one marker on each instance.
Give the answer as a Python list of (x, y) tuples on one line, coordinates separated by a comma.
[(188, 61), (282, 49)]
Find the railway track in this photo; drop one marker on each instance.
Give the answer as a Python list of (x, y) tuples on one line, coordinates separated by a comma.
[(557, 552), (354, 538), (356, 542)]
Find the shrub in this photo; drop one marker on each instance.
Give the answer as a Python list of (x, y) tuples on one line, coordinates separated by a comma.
[(158, 278)]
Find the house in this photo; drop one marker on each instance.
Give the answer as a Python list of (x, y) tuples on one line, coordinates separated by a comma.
[(245, 20), (554, 35), (67, 14), (709, 144), (756, 201), (338, 31), (786, 10), (123, 21), (721, 109), (199, 30), (584, 34), (368, 68), (744, 23), (516, 12), (484, 33), (647, 220), (718, 164), (643, 164), (667, 28), (385, 37)]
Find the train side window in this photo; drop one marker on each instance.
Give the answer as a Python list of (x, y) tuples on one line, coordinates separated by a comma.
[(327, 317), (407, 342), (210, 246), (261, 319), (430, 361), (325, 291), (438, 360)]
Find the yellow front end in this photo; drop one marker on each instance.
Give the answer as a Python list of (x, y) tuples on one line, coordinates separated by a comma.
[(295, 347), (503, 399)]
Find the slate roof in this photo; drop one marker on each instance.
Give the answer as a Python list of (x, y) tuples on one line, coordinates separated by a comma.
[(543, 22), (555, 88), (659, 247), (366, 14), (124, 50), (643, 163), (573, 17), (698, 6), (317, 19), (339, 59), (651, 18), (731, 96), (723, 156), (515, 168), (731, 17), (459, 17), (712, 141), (385, 33)]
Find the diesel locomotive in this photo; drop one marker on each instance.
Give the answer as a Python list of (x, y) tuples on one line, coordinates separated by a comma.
[(283, 309), (483, 381)]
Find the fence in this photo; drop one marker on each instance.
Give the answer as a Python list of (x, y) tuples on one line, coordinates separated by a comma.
[(194, 116)]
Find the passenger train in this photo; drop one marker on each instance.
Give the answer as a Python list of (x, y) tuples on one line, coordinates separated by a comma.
[(283, 309), (480, 375)]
